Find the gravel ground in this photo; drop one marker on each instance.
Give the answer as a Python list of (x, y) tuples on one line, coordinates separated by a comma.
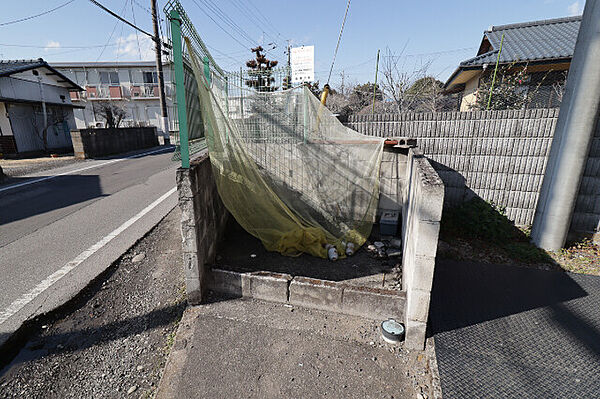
[(242, 252), (22, 167), (114, 338)]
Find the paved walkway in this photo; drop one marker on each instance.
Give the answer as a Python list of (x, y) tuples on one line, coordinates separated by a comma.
[(504, 331), (244, 348)]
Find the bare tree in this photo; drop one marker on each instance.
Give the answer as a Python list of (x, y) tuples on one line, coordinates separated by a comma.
[(398, 79), (558, 87), (55, 117), (112, 113)]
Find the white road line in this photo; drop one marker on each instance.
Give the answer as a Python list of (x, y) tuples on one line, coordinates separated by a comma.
[(57, 275), (79, 170)]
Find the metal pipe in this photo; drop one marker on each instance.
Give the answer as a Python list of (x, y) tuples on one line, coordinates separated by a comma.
[(573, 136), (495, 71), (180, 89), (375, 85)]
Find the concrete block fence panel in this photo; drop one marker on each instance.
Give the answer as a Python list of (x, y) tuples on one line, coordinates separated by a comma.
[(203, 220), (317, 294), (373, 303), (92, 143), (269, 286), (421, 216)]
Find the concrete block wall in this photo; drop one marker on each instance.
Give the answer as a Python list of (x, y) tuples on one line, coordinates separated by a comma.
[(423, 203), (392, 179), (203, 222), (91, 143), (498, 155)]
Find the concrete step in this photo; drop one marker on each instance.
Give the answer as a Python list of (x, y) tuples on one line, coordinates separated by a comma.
[(333, 296)]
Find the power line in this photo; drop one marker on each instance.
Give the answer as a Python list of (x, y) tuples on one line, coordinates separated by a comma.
[(111, 33), (256, 18), (37, 15), (220, 27), (224, 17), (120, 18), (137, 37)]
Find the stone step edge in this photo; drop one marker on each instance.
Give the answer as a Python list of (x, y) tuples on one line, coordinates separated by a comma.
[(339, 297)]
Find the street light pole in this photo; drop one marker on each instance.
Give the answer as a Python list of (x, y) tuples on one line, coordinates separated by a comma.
[(164, 120)]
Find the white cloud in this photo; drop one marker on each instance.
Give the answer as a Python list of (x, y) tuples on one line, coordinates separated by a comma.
[(575, 8), (52, 45), (127, 47)]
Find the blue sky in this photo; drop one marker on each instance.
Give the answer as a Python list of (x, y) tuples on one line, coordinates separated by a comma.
[(443, 32)]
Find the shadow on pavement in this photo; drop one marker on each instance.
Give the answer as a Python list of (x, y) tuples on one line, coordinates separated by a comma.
[(42, 197), (468, 293)]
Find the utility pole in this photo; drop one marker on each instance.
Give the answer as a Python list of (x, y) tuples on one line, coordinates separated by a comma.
[(573, 136), (164, 120)]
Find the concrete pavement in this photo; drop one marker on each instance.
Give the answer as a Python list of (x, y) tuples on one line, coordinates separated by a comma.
[(246, 348), (61, 229)]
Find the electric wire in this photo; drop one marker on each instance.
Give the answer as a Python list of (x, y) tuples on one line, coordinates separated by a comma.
[(225, 18), (338, 41), (120, 18), (137, 37), (37, 15), (219, 26), (111, 33)]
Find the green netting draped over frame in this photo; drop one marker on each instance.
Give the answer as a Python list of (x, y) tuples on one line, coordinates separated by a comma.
[(288, 171)]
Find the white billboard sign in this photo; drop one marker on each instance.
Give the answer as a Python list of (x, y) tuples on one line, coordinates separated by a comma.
[(303, 64)]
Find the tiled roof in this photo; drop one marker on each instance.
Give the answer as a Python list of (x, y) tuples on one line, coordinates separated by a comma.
[(9, 67), (530, 41)]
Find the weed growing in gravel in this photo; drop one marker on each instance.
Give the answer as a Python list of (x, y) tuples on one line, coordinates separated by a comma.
[(485, 227), (487, 223)]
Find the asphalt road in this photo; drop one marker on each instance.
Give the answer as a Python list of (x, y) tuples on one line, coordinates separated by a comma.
[(61, 228)]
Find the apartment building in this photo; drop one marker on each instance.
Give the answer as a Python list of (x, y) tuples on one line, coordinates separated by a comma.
[(131, 85)]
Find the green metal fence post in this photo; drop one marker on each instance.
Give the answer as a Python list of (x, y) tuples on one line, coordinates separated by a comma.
[(305, 108), (180, 89), (226, 109), (206, 69)]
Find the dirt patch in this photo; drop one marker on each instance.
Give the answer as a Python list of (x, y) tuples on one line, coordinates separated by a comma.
[(242, 252), (22, 167), (114, 339), (480, 231)]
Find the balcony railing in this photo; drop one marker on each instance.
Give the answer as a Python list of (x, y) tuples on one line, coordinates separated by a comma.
[(119, 92), (104, 92)]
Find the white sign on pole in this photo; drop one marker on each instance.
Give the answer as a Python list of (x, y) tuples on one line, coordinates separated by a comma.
[(303, 64)]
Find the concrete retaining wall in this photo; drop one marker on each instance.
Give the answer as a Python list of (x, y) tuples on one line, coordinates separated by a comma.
[(203, 221), (92, 143), (421, 216), (498, 155), (372, 303)]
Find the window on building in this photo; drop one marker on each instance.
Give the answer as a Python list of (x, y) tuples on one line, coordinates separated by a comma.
[(109, 78), (150, 77)]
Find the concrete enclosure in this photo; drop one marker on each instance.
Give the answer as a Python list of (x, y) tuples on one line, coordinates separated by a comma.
[(92, 143), (409, 185)]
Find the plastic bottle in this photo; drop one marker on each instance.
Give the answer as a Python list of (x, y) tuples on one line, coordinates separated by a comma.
[(331, 252), (350, 249)]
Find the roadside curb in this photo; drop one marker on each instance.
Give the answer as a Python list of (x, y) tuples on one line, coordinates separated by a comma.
[(332, 296)]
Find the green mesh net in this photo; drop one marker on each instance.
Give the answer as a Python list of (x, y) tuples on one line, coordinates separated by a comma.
[(288, 171)]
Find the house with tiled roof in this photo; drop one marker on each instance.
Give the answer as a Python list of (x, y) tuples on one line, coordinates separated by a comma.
[(544, 47), (36, 112)]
